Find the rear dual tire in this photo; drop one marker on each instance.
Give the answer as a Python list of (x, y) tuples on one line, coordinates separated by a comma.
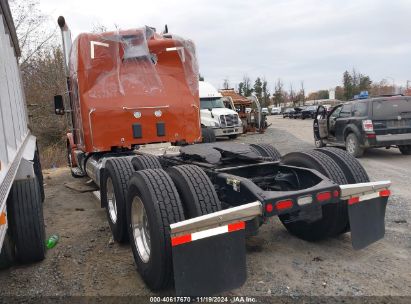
[(26, 222), (195, 189), (334, 216), (266, 150), (353, 170), (113, 192), (152, 192), (146, 161), (7, 253), (155, 200)]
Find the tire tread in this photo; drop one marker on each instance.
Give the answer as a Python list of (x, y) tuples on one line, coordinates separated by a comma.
[(205, 196), (266, 150), (27, 221)]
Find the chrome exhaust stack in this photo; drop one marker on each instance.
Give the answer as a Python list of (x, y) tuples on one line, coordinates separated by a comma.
[(66, 37)]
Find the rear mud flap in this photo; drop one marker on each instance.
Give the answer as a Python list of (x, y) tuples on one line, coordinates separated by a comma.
[(209, 262), (366, 220)]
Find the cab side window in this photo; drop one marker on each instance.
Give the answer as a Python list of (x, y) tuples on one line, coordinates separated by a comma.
[(345, 111), (360, 109)]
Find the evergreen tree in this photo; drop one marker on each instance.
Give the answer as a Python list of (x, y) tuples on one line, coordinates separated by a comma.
[(258, 88), (265, 94)]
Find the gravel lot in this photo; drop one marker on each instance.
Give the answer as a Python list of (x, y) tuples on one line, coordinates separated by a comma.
[(87, 262)]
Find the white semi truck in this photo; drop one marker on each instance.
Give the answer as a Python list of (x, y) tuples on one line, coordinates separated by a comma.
[(22, 234), (214, 114)]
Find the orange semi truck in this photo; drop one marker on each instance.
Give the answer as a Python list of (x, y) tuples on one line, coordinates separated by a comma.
[(186, 207)]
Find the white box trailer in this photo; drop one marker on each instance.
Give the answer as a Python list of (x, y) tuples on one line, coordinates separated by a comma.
[(21, 180)]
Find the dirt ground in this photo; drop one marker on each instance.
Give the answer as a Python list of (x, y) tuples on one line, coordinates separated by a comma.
[(87, 262)]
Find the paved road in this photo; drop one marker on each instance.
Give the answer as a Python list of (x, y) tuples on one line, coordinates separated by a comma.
[(87, 262)]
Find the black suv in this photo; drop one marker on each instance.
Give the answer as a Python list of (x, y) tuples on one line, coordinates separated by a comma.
[(366, 123), (309, 112)]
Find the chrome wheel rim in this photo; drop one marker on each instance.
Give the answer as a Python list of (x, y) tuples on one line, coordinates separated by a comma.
[(141, 229), (351, 146), (111, 200)]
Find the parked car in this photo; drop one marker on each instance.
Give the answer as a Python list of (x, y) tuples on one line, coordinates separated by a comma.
[(309, 112), (288, 112), (366, 123), (275, 110), (265, 111), (297, 112)]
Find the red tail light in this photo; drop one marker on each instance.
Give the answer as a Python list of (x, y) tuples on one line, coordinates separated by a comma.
[(269, 207), (353, 200), (385, 193), (367, 125), (282, 205), (323, 196)]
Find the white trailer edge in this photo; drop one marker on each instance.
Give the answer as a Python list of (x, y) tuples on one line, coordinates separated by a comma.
[(22, 234)]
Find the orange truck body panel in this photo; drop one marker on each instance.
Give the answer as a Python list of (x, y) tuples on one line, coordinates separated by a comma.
[(127, 89)]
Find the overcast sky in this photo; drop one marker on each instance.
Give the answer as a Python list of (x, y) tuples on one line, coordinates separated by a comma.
[(295, 40)]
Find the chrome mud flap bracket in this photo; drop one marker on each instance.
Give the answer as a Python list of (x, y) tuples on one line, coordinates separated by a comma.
[(209, 255), (366, 211)]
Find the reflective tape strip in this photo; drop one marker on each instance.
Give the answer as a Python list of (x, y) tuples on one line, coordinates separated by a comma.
[(177, 48), (357, 199), (93, 43), (3, 218), (178, 240)]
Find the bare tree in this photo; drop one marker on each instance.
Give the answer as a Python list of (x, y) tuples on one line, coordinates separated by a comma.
[(279, 96), (43, 76), (226, 83), (98, 28), (292, 95), (302, 93), (32, 29)]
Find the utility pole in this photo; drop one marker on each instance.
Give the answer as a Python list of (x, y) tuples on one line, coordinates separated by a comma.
[(393, 84)]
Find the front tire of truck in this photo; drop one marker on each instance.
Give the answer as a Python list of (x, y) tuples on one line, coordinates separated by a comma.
[(266, 150), (25, 215), (195, 189), (153, 204), (113, 193), (208, 135), (334, 216)]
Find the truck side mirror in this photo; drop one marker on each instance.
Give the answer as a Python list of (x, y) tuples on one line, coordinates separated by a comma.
[(59, 105)]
